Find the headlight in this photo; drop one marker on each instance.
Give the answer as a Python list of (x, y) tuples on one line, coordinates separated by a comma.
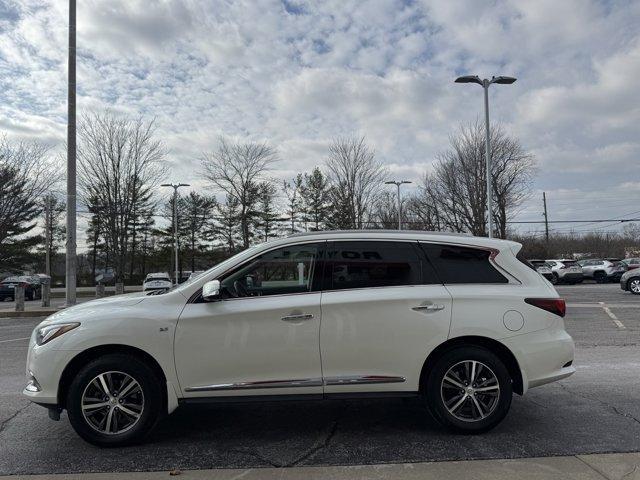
[(49, 332)]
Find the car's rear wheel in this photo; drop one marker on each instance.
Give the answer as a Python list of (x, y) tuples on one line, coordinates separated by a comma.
[(114, 400), (634, 285), (554, 279), (469, 390)]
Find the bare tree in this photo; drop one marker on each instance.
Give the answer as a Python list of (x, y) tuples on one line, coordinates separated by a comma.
[(455, 192), (356, 178), (120, 165), (26, 174), (236, 169)]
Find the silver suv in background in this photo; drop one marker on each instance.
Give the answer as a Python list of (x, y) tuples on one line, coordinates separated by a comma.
[(566, 271), (602, 270)]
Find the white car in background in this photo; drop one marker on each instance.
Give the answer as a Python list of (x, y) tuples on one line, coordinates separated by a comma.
[(157, 281), (544, 269), (456, 321), (566, 271)]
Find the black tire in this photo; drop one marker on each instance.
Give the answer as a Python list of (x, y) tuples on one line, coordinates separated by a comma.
[(555, 280), (633, 285), (500, 401), (600, 277), (150, 386)]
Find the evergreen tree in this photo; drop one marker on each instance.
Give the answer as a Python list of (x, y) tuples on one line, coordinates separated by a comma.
[(316, 196)]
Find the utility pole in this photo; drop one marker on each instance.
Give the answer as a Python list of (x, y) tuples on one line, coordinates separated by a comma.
[(70, 274), (546, 218), (485, 84), (47, 235), (175, 187), (397, 184)]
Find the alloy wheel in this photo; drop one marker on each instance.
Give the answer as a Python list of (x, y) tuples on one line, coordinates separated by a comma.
[(634, 285), (112, 402), (470, 391)]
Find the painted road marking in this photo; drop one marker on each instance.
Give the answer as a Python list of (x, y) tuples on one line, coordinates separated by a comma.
[(608, 311), (14, 339)]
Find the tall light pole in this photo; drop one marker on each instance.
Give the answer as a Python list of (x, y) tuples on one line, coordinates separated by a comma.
[(397, 184), (485, 84), (175, 187), (70, 260)]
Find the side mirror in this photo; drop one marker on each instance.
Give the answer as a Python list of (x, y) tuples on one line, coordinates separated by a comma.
[(211, 290)]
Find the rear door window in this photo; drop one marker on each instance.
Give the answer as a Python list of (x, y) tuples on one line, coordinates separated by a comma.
[(456, 264), (368, 264)]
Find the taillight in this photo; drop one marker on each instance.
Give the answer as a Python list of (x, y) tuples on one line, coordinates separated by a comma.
[(553, 305)]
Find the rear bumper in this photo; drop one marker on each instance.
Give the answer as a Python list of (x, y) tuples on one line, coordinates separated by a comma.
[(544, 356)]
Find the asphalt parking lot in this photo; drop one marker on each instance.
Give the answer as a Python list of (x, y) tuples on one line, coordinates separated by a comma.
[(597, 410)]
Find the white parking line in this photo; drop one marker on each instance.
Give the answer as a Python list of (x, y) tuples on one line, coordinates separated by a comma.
[(608, 311), (14, 339)]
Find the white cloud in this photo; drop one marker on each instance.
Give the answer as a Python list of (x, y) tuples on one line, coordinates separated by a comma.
[(297, 74)]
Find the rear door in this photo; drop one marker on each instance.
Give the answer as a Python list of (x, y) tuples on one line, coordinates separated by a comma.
[(383, 311)]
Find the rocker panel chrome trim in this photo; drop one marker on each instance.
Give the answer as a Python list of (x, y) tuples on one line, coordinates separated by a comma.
[(363, 379), (304, 382)]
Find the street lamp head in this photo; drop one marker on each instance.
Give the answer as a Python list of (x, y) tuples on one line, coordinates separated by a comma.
[(406, 181), (390, 182), (469, 79), (184, 185), (503, 80), (166, 185)]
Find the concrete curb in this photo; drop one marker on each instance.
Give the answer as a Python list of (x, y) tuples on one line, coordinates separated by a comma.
[(613, 466), (27, 313)]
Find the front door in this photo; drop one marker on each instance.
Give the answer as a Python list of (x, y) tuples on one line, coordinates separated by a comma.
[(262, 336), (383, 311)]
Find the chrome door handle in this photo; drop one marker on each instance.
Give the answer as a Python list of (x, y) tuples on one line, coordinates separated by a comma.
[(297, 318), (432, 307)]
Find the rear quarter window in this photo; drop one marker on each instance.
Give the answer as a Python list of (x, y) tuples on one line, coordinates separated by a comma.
[(455, 264)]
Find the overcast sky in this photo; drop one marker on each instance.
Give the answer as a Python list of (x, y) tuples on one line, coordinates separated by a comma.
[(299, 73)]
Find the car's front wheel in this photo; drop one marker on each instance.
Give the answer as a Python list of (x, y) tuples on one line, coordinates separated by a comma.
[(114, 400), (469, 390)]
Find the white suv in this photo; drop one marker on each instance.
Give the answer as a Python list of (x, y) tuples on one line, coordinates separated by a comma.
[(456, 320), (156, 281)]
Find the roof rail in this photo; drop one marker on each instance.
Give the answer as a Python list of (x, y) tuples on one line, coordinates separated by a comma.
[(399, 232)]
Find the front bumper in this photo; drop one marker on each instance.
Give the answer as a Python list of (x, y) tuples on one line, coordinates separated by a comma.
[(544, 356), (44, 370)]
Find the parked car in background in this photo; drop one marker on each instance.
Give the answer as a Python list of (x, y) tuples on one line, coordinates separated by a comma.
[(32, 287), (457, 322), (631, 263), (544, 269), (630, 281), (602, 270), (157, 281), (566, 271)]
